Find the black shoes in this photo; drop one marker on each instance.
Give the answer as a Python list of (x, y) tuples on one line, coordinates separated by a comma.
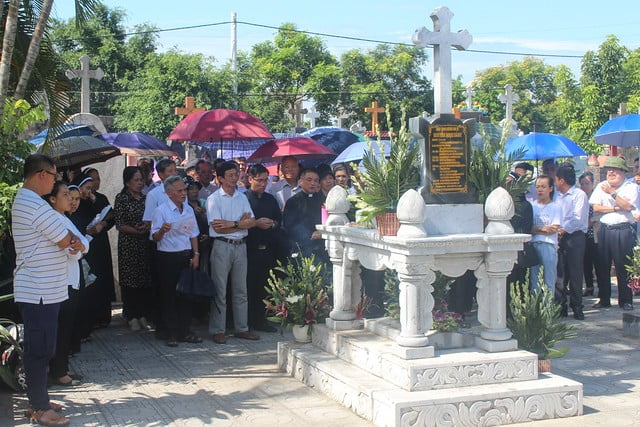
[(627, 306), (564, 312), (601, 305), (578, 314)]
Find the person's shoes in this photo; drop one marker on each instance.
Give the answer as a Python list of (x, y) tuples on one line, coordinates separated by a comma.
[(144, 324), (564, 312), (588, 292), (48, 418), (219, 338), (74, 376), (246, 335), (172, 343), (265, 327), (578, 314), (627, 306), (57, 407), (601, 305), (191, 338), (134, 325), (66, 381)]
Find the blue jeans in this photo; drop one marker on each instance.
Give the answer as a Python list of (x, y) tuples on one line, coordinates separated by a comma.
[(40, 333), (548, 255)]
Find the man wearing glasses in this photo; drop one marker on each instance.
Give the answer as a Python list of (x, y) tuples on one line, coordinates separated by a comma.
[(40, 279)]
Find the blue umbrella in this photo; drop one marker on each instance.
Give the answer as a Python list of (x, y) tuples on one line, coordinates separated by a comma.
[(63, 131), (137, 144), (539, 145), (335, 138), (355, 152), (623, 131)]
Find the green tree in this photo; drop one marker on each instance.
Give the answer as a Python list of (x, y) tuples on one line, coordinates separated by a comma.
[(284, 71), (154, 92)]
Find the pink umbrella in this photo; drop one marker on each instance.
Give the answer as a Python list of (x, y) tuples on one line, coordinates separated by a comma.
[(220, 125), (298, 146)]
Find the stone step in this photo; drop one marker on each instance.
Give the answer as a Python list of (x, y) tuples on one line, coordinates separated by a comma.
[(385, 404), (448, 369)]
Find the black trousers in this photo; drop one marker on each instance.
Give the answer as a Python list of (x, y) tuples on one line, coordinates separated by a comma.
[(40, 331), (591, 263), (59, 364), (136, 302), (260, 261), (175, 309), (615, 243), (571, 248)]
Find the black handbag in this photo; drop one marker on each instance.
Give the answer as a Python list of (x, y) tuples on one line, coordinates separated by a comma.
[(528, 257), (195, 282)]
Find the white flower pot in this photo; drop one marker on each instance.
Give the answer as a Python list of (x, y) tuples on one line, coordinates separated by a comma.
[(301, 333)]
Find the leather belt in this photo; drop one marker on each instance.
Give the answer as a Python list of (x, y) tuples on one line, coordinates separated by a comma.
[(620, 226), (232, 241)]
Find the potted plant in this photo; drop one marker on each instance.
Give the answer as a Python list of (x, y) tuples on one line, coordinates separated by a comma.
[(297, 295), (536, 324), (384, 181)]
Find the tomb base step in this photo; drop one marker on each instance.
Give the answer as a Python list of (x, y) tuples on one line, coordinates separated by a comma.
[(448, 369), (385, 404)]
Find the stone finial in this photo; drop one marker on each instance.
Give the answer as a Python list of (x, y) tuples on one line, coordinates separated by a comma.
[(499, 209), (411, 215), (337, 206)]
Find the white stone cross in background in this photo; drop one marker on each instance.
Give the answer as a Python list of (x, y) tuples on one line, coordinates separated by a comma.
[(84, 74), (312, 115), (468, 94), (509, 97), (442, 40)]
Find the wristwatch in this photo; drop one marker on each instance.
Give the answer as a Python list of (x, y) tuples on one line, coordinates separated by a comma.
[(614, 194), (236, 224)]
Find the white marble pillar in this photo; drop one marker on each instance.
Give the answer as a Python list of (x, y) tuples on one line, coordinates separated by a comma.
[(343, 315)]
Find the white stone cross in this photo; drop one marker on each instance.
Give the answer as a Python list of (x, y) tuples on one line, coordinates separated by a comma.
[(468, 93), (442, 39), (312, 115), (84, 74), (509, 97), (296, 112)]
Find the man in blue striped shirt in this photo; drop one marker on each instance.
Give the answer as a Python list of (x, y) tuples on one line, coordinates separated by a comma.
[(40, 280)]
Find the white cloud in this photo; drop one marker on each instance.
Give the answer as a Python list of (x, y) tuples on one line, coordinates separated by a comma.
[(541, 44)]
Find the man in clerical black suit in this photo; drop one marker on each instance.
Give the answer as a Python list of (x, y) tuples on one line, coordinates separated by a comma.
[(302, 213), (262, 245)]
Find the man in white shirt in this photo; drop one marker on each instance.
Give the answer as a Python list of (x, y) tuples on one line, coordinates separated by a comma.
[(230, 216), (165, 168), (42, 241), (574, 224), (205, 176), (615, 198), (175, 230), (287, 186)]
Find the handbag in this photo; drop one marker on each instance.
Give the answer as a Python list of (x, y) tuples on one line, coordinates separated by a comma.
[(195, 282), (528, 256)]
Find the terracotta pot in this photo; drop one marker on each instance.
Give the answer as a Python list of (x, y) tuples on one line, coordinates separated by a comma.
[(387, 224), (301, 333), (544, 365), (593, 160)]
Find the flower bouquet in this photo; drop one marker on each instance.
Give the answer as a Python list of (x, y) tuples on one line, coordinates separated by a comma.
[(297, 293), (634, 271)]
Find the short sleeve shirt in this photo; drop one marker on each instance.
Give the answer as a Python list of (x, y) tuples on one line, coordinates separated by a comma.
[(41, 266), (546, 214), (155, 198), (221, 205), (183, 226), (627, 190)]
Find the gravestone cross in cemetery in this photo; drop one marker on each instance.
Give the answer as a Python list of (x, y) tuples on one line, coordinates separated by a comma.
[(468, 94), (189, 107), (85, 74), (374, 110), (312, 115), (509, 97), (296, 113)]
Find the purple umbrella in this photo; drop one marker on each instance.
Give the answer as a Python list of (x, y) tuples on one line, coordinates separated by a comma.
[(137, 144)]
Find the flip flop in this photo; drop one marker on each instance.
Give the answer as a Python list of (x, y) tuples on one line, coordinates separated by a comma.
[(191, 338)]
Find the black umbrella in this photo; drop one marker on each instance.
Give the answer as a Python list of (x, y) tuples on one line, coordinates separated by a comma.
[(78, 151)]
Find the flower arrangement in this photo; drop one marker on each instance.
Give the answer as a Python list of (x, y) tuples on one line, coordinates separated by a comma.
[(445, 320), (297, 293), (634, 271)]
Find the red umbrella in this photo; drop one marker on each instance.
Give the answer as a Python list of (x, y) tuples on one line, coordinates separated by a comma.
[(298, 146), (220, 125)]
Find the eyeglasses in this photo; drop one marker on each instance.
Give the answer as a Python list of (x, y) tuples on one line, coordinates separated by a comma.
[(55, 175)]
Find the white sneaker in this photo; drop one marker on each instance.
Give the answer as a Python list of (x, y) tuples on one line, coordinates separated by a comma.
[(134, 325), (144, 324)]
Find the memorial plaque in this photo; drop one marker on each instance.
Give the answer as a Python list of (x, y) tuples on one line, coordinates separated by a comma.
[(446, 154), (448, 159)]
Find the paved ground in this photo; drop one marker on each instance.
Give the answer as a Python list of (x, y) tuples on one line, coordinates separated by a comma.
[(132, 379)]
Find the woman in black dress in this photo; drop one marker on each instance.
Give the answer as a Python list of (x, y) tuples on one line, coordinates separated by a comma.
[(134, 250)]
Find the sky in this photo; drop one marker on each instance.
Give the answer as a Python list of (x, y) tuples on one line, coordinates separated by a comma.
[(560, 27)]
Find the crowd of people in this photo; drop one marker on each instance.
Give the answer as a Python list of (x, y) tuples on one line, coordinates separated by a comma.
[(218, 218), (233, 222), (578, 228)]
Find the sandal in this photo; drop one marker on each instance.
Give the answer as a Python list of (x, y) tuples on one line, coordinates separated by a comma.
[(71, 383), (48, 418), (191, 338), (57, 407)]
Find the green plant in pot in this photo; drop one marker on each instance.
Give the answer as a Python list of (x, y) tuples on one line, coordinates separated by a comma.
[(385, 180), (536, 323), (297, 293)]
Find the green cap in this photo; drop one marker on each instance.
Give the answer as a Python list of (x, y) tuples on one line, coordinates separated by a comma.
[(617, 163)]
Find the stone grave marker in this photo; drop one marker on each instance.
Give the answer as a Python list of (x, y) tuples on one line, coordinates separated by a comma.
[(85, 74)]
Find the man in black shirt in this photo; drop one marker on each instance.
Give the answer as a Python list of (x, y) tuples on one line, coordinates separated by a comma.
[(262, 245)]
